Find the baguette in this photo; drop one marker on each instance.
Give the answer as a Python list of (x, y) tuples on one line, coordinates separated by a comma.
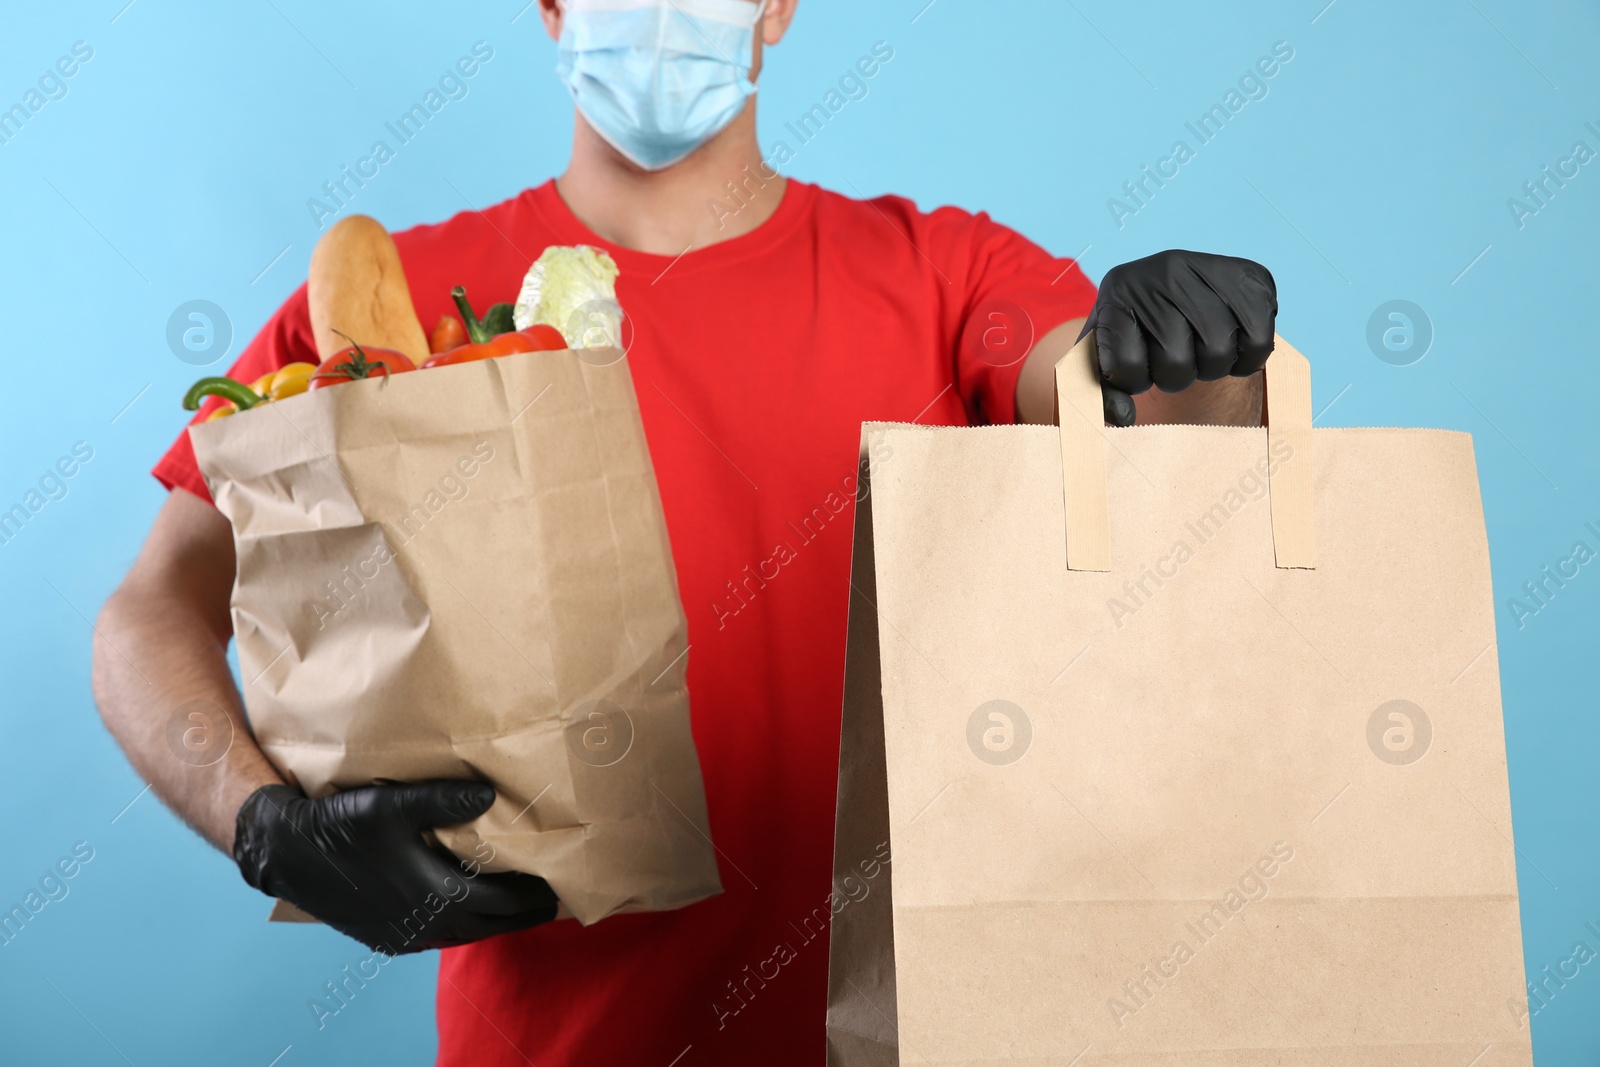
[(357, 287)]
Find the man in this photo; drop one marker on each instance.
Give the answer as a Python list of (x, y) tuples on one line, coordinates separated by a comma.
[(763, 336)]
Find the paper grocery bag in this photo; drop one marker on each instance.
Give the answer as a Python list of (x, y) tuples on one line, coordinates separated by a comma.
[(1226, 787), (464, 572)]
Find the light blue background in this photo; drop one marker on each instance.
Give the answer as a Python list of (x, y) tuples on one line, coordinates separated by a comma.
[(179, 165)]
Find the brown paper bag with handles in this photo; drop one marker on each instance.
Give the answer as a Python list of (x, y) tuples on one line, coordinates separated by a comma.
[(465, 572), (1187, 745)]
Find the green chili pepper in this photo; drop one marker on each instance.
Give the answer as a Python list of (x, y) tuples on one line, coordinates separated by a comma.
[(239, 393)]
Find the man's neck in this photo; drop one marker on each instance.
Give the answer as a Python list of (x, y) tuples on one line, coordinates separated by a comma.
[(684, 207)]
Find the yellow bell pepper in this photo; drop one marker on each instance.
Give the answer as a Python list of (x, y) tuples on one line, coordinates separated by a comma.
[(291, 380)]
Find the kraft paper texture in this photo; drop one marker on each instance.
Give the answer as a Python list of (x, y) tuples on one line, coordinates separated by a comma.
[(464, 572), (1199, 809)]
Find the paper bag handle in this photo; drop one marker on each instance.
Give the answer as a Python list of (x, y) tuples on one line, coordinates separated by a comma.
[(1084, 457)]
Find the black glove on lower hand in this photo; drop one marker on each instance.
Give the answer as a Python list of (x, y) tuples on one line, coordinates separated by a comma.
[(357, 861), (1176, 317)]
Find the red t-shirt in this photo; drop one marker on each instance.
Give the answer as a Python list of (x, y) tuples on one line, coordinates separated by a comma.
[(755, 361)]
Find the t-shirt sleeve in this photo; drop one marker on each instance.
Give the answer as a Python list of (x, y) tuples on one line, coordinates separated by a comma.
[(1013, 293), (285, 339)]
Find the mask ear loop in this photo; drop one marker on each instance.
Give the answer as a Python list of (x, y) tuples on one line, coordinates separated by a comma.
[(755, 28)]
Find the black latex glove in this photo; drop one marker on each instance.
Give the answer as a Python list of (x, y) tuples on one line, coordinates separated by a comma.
[(1176, 317), (357, 861)]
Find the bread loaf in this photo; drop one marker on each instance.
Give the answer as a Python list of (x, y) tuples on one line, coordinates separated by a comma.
[(357, 287)]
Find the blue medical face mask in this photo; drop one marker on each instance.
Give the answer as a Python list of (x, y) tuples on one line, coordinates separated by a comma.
[(658, 78)]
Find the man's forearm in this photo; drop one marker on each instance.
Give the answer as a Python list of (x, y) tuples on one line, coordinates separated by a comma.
[(154, 653)]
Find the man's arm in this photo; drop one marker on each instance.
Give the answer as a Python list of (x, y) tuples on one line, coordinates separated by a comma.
[(161, 643), (1225, 402), (357, 859)]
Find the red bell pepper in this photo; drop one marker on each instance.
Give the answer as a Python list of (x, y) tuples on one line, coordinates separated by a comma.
[(484, 345)]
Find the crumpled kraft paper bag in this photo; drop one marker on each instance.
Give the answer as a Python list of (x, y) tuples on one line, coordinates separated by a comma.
[(465, 572), (1238, 800)]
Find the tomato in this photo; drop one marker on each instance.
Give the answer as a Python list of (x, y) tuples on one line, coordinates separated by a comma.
[(355, 363)]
